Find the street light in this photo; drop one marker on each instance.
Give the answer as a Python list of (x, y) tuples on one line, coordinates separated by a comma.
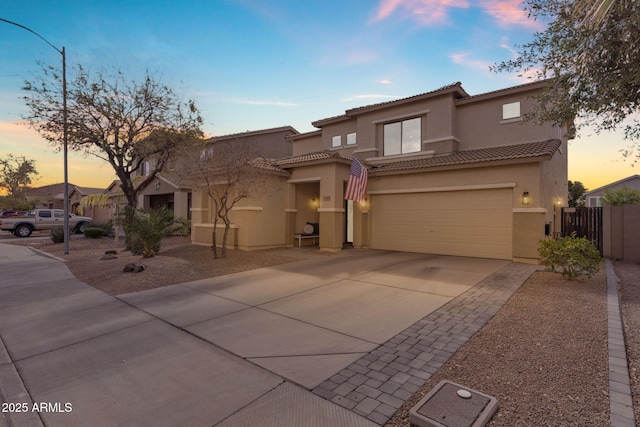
[(64, 129)]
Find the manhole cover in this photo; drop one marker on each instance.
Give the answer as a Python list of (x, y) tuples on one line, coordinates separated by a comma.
[(452, 405)]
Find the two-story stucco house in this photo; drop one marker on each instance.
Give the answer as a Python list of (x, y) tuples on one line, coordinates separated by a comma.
[(169, 192), (448, 173)]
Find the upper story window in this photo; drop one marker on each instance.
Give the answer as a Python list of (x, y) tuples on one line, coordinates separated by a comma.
[(402, 137), (351, 138), (336, 141), (511, 110)]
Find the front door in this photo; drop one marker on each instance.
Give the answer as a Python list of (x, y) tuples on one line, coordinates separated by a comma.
[(348, 222)]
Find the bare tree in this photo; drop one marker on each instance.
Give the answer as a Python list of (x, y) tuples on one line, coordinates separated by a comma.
[(115, 118), (227, 172)]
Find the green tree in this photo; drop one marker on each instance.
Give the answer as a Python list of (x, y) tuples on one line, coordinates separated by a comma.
[(16, 175), (126, 122), (620, 196), (590, 51), (576, 194)]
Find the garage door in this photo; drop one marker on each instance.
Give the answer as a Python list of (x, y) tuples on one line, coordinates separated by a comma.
[(474, 223)]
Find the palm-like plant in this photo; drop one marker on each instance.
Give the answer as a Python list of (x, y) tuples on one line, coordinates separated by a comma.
[(596, 12), (149, 227)]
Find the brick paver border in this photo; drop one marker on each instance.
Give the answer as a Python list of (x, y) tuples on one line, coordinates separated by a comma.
[(620, 401), (377, 385)]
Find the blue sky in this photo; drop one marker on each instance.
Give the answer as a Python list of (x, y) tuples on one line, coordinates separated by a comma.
[(255, 64)]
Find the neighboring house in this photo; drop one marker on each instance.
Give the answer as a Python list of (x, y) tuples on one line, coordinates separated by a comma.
[(77, 194), (167, 190), (592, 198), (48, 196), (449, 173), (104, 205)]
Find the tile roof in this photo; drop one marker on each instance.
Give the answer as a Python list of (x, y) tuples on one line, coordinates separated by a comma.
[(509, 90), (447, 88), (530, 150), (253, 133), (88, 190), (266, 164), (321, 155), (454, 87)]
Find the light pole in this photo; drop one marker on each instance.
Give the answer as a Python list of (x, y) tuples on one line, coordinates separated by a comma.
[(64, 129)]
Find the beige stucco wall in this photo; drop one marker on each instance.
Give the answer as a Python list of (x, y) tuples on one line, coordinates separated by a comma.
[(554, 188), (307, 143), (479, 123), (257, 222), (305, 192)]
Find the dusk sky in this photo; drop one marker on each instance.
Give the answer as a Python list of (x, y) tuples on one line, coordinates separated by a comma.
[(256, 64)]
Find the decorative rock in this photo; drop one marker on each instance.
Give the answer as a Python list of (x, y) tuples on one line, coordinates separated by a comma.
[(133, 268), (129, 268)]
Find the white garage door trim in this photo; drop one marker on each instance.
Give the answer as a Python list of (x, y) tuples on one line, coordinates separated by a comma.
[(449, 188), (471, 221)]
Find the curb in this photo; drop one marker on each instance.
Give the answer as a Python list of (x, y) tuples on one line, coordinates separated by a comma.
[(620, 401)]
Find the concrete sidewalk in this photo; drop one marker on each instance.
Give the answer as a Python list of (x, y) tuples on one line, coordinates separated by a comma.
[(306, 343)]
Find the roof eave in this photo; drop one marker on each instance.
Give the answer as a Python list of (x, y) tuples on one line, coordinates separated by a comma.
[(469, 165)]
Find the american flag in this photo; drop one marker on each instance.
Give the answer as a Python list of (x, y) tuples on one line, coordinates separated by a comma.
[(357, 184)]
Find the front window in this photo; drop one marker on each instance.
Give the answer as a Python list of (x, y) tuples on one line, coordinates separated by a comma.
[(336, 141), (402, 137), (511, 110)]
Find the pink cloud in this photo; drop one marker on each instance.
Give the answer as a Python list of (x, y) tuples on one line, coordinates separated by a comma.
[(430, 12), (426, 12), (509, 13), (465, 60)]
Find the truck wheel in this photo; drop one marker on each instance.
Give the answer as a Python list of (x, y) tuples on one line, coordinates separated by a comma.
[(23, 230), (80, 227)]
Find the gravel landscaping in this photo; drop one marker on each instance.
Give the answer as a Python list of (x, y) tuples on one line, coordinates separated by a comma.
[(543, 356)]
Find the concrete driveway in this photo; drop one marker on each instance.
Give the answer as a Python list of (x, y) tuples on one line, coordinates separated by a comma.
[(202, 353), (306, 321)]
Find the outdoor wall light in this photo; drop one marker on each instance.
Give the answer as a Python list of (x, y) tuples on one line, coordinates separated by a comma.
[(315, 203), (364, 204), (525, 198), (157, 185)]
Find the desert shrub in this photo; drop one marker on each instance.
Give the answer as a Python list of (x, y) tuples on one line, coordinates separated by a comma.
[(148, 228), (105, 226), (571, 255), (57, 234), (93, 232)]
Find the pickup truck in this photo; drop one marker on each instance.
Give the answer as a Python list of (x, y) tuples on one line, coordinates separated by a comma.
[(42, 219)]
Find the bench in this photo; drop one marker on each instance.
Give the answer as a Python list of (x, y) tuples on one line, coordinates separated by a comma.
[(310, 231), (300, 237)]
